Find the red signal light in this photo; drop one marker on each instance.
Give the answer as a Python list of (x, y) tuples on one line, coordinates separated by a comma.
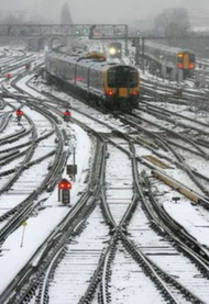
[(191, 66), (134, 92), (64, 184), (8, 75), (19, 112), (67, 113)]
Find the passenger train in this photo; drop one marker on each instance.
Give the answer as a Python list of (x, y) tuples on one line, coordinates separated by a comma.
[(110, 85), (170, 60)]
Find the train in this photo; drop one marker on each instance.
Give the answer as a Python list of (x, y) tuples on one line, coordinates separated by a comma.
[(170, 62), (109, 85)]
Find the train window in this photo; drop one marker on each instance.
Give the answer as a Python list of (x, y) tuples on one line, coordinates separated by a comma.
[(122, 77), (192, 57)]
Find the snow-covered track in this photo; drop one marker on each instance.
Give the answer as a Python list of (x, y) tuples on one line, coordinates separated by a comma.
[(21, 211), (29, 278), (119, 232), (196, 177), (163, 281)]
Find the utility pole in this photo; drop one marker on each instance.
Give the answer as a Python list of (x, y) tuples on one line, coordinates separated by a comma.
[(143, 41), (126, 40), (74, 164), (137, 50)]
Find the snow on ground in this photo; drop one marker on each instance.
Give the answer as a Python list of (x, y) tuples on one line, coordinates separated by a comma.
[(74, 272), (14, 256), (129, 284), (15, 253)]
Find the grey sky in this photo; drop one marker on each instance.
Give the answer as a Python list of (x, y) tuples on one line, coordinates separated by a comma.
[(105, 11)]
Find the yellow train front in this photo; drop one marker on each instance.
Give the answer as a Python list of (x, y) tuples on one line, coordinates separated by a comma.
[(121, 87), (186, 62)]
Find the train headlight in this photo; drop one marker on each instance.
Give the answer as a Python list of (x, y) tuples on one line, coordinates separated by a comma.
[(191, 66), (112, 51), (110, 92), (180, 55), (134, 92)]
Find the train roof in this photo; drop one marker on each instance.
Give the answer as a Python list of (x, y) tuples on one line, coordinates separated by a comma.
[(95, 61), (166, 48)]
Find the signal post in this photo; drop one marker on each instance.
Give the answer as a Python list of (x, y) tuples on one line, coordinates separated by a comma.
[(67, 116), (64, 188), (19, 114)]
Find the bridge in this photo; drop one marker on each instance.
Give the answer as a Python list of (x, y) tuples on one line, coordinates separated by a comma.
[(38, 35), (102, 31)]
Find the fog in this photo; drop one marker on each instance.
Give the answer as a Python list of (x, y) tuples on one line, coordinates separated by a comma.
[(97, 11)]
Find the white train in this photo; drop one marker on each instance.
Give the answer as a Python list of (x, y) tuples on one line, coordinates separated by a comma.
[(171, 62)]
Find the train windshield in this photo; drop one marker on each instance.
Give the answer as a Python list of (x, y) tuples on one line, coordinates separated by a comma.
[(122, 77), (192, 57)]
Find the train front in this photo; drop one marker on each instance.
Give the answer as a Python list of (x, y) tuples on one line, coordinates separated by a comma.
[(122, 87), (186, 62)]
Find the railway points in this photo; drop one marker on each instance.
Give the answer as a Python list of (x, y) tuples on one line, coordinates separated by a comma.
[(138, 205)]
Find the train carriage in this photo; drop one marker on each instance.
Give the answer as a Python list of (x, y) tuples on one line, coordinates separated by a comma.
[(112, 85), (170, 60)]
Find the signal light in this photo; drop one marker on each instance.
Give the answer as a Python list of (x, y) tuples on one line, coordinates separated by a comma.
[(64, 188), (67, 116), (134, 93), (8, 76), (191, 66), (19, 113), (180, 65), (67, 113), (64, 184), (110, 92)]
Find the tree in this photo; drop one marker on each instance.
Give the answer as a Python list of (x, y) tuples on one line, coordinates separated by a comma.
[(14, 18), (66, 15), (173, 23)]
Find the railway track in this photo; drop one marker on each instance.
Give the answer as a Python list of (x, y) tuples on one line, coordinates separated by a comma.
[(159, 277), (28, 202), (29, 276), (122, 245), (186, 143), (199, 175)]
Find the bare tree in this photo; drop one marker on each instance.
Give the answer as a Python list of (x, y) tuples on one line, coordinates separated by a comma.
[(173, 23), (13, 18)]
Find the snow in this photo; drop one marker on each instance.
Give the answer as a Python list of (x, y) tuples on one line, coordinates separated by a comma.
[(189, 218), (39, 227), (129, 284), (125, 275), (82, 256)]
